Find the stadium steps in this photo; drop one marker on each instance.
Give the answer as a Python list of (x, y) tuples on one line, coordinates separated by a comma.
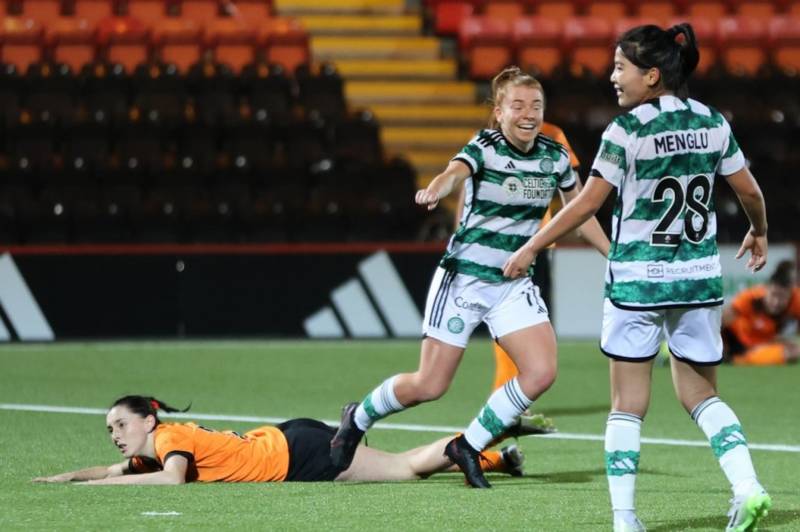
[(399, 69), (365, 93), (305, 7), (431, 138), (431, 115), (336, 47), (352, 25), (405, 78)]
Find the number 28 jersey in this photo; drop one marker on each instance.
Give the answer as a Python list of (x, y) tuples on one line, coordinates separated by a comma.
[(662, 157)]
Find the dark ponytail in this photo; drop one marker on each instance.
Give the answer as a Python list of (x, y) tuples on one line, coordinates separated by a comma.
[(146, 406), (672, 51)]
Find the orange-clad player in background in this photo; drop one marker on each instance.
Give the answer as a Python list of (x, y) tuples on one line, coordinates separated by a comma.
[(296, 450), (504, 366), (752, 325)]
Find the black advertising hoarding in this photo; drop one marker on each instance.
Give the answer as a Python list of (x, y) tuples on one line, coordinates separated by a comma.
[(325, 290)]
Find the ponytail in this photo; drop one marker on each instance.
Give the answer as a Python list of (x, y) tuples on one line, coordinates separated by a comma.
[(146, 405)]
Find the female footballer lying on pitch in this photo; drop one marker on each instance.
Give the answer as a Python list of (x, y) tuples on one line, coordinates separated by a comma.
[(296, 450)]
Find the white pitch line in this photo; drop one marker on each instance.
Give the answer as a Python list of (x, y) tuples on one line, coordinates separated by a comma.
[(386, 426), (160, 514)]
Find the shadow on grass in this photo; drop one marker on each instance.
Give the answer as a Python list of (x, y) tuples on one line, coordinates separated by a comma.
[(576, 411), (775, 518)]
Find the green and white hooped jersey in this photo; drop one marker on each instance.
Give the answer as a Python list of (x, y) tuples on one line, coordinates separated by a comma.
[(506, 197), (662, 157)]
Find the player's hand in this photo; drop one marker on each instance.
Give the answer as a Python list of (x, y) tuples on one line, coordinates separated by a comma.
[(757, 245), (429, 197), (517, 264), (55, 479)]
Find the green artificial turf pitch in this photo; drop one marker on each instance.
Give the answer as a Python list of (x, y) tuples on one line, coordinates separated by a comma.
[(679, 487)]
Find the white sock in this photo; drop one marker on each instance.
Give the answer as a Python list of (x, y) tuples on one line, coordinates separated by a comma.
[(724, 432), (500, 412), (622, 444), (378, 404)]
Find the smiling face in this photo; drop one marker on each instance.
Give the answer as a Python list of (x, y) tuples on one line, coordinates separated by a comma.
[(129, 431), (634, 85), (520, 113)]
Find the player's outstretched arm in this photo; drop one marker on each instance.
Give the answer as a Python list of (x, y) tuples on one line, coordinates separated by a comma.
[(752, 201), (443, 184), (590, 231), (90, 473), (174, 472)]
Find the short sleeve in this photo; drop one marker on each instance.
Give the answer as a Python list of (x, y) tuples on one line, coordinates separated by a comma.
[(732, 157), (566, 175), (472, 153), (611, 161), (174, 439), (741, 302)]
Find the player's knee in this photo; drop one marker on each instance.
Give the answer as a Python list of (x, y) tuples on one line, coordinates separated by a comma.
[(429, 389), (535, 383)]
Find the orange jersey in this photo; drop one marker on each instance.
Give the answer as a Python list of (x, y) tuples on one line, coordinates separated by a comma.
[(557, 134), (260, 455), (752, 325)]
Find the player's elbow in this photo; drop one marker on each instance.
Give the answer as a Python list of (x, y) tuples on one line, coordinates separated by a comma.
[(174, 478)]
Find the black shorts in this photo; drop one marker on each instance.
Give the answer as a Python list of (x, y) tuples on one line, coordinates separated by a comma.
[(309, 450)]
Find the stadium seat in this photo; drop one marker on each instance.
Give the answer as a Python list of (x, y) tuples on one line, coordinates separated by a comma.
[(214, 89), (105, 89), (94, 10), (322, 92), (610, 10), (139, 149), (267, 88), (589, 43), (559, 10), (30, 145), (249, 145), (538, 43), (52, 89), (21, 40), (448, 16), (504, 9), (72, 41), (42, 10), (307, 142), (743, 44), (254, 12), (709, 9), (706, 33), (200, 11), (760, 9), (148, 11), (657, 9), (177, 41), (793, 8), (11, 85), (624, 24), (159, 92), (487, 45), (784, 39), (285, 42), (86, 150), (198, 148), (233, 43), (357, 137), (124, 40)]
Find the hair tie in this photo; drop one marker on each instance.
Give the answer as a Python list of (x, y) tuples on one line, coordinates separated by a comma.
[(154, 404)]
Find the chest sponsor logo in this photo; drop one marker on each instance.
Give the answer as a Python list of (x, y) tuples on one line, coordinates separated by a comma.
[(529, 188)]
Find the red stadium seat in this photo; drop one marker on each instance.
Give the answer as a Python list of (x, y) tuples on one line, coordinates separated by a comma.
[(94, 10), (232, 40), (253, 11), (589, 41), (21, 40), (200, 11), (538, 41), (487, 45), (177, 41), (793, 9), (624, 24), (124, 40), (72, 41), (42, 10), (555, 9), (449, 15), (148, 11), (608, 9), (743, 43), (784, 40), (710, 9), (706, 33), (508, 9), (285, 41), (658, 9), (761, 9)]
